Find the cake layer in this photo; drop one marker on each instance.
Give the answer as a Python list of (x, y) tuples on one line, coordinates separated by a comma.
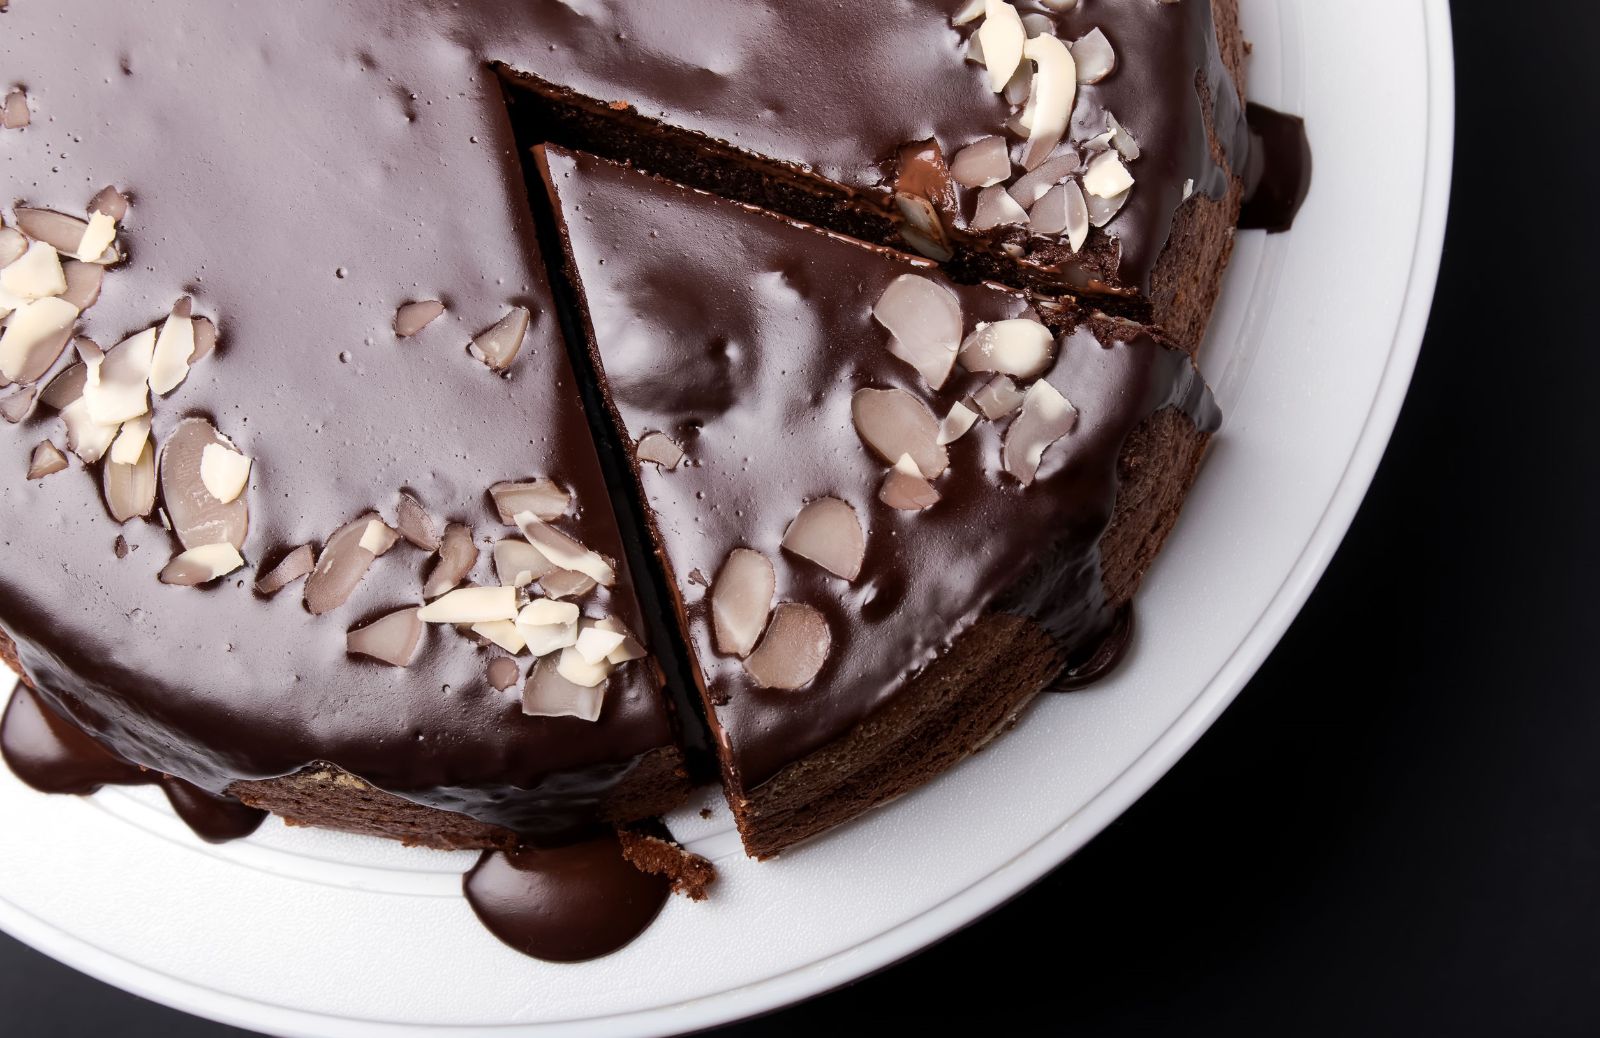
[(914, 607), (301, 174)]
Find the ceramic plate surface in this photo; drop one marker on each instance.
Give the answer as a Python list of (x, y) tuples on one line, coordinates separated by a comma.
[(319, 934)]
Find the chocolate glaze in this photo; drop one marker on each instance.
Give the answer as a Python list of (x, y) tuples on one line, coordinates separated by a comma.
[(53, 755), (301, 171), (565, 904), (1278, 176), (743, 336)]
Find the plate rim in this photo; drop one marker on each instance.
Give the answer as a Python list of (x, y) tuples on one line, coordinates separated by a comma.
[(1008, 879)]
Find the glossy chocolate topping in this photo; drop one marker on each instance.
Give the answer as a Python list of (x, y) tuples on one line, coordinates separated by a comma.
[(301, 171), (54, 755), (1278, 176), (565, 904), (743, 337)]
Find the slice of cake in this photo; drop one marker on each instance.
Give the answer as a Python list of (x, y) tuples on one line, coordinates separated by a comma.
[(889, 510)]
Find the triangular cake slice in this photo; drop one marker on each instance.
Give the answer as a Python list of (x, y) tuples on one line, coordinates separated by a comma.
[(890, 509)]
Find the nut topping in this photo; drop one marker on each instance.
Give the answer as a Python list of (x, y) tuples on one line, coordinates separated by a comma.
[(1002, 37), (224, 471), (131, 489), (35, 335), (14, 113), (905, 490), (174, 351), (458, 553), (197, 516), (572, 666), (1096, 60), (1106, 176), (471, 605), (201, 565), (36, 274), (983, 163), (629, 649), (343, 563), (296, 564), (518, 563), (47, 460), (1055, 87), (503, 633), (131, 441), (545, 498), (794, 649), (741, 600), (415, 524), (596, 644), (118, 385), (924, 321), (391, 639), (996, 208), (956, 423), (548, 694), (998, 398), (413, 317), (892, 422), (828, 533), (1017, 347), (1046, 417), (565, 552), (564, 583), (658, 448), (498, 346)]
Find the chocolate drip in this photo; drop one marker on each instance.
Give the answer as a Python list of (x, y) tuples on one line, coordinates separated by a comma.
[(53, 755), (1278, 176), (1103, 658), (565, 904)]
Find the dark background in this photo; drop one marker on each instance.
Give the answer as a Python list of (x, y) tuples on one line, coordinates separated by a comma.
[(1397, 826)]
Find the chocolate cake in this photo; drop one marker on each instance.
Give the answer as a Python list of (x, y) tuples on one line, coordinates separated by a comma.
[(324, 501)]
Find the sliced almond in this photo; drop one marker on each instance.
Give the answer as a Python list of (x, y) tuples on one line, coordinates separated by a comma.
[(1046, 417), (518, 563), (970, 11), (1002, 37), (629, 649), (86, 438), (197, 516), (205, 339), (1062, 210), (1055, 87), (1032, 186), (413, 317), (572, 666), (378, 538), (296, 564), (1103, 210), (904, 489), (827, 532), (341, 566), (794, 649), (83, 283), (98, 237), (14, 113), (503, 633), (458, 553), (131, 441), (415, 524), (892, 422), (174, 351), (564, 551), (546, 627), (498, 346), (471, 605), (924, 321), (564, 583), (998, 398), (13, 244), (65, 232), (1106, 176), (659, 449), (957, 422), (546, 612), (548, 694), (741, 600), (923, 229), (224, 471), (16, 406), (996, 208), (545, 498), (391, 639), (1094, 57), (1017, 347), (118, 385), (66, 386), (35, 335), (131, 489), (110, 201), (201, 565), (47, 460), (983, 163), (36, 274), (596, 644)]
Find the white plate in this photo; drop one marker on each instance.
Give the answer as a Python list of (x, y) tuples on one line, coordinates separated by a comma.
[(318, 934)]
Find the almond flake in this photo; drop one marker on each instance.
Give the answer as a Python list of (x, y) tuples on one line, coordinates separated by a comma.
[(118, 386), (503, 673), (201, 565), (741, 601), (546, 612), (67, 386), (503, 633), (225, 473), (629, 649), (173, 354), (34, 336), (548, 694), (1106, 176), (99, 236), (36, 275), (563, 551), (1032, 186), (572, 666), (131, 489), (12, 246), (1017, 347), (904, 489), (86, 438), (545, 498), (996, 208), (956, 423), (471, 605), (198, 517), (1002, 37), (970, 12), (794, 649), (1103, 210), (58, 229), (998, 398), (924, 322), (14, 113), (341, 566), (16, 406), (596, 644), (923, 229), (47, 460), (498, 346), (984, 163), (1055, 86), (415, 524), (413, 317), (1046, 417), (378, 538), (296, 564), (565, 583), (827, 532), (392, 639), (659, 449), (1094, 56), (131, 441), (892, 422), (110, 201), (458, 553), (83, 283)]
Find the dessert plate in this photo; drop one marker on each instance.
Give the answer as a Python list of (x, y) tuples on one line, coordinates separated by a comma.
[(320, 934)]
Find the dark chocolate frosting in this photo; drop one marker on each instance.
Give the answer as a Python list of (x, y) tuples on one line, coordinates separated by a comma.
[(743, 336)]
